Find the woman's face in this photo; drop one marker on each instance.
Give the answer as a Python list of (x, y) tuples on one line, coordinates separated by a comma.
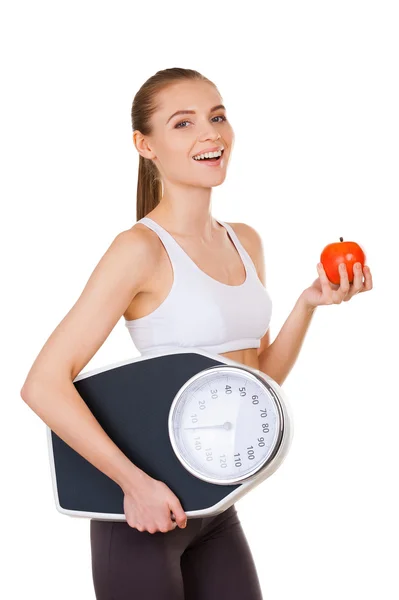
[(176, 139)]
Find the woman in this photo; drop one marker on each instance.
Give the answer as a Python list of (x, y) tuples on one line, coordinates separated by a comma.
[(162, 276)]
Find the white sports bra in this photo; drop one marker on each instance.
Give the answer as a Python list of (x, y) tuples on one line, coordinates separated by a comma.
[(201, 311)]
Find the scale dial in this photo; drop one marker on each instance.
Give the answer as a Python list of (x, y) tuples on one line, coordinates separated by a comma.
[(226, 424)]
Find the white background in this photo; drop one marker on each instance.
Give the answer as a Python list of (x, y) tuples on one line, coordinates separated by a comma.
[(311, 89)]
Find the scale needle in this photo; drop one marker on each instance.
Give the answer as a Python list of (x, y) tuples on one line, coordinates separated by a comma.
[(226, 425)]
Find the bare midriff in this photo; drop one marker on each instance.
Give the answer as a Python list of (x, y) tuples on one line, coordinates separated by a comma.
[(246, 356)]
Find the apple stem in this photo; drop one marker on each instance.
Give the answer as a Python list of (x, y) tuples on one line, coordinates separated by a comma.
[(341, 239)]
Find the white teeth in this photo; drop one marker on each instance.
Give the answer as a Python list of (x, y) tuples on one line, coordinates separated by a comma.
[(207, 155)]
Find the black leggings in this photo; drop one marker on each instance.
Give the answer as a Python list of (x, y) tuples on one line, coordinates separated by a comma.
[(207, 560)]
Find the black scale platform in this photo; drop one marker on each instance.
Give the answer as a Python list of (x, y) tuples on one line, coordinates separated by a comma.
[(132, 402)]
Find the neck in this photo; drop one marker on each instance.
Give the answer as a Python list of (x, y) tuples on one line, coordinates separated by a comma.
[(187, 214)]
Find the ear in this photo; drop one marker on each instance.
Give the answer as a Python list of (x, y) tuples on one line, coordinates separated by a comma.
[(141, 144)]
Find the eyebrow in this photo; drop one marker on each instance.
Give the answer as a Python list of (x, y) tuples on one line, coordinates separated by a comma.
[(192, 112)]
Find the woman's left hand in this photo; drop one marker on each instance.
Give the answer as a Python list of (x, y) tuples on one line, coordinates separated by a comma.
[(322, 291)]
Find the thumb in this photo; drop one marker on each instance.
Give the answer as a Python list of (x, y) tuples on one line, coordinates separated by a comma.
[(177, 509)]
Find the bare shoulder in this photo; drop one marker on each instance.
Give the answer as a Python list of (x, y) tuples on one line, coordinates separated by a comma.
[(120, 274), (141, 243), (247, 234), (138, 235)]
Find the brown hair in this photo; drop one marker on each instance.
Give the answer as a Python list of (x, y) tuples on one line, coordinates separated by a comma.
[(149, 186)]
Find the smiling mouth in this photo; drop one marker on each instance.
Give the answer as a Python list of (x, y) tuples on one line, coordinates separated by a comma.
[(209, 159)]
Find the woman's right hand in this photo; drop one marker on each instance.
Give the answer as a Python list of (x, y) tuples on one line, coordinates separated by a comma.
[(148, 505)]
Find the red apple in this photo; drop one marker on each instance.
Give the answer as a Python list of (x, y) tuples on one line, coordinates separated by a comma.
[(341, 252)]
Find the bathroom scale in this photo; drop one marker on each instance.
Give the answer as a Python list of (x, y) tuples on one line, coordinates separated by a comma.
[(209, 427)]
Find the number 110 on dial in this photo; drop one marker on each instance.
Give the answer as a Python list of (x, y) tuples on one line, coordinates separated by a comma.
[(225, 424)]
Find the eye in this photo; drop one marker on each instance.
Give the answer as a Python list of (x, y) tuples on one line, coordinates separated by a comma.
[(181, 123), (221, 117), (217, 117)]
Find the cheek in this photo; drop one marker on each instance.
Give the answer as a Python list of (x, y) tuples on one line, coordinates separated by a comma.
[(231, 135), (179, 165), (177, 147)]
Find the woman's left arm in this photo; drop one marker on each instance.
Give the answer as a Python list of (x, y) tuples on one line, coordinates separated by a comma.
[(277, 359)]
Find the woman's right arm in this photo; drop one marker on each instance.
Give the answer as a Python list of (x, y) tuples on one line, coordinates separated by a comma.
[(49, 388), (51, 394)]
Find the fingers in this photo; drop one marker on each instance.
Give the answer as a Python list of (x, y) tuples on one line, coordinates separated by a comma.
[(178, 513), (154, 526), (325, 284), (170, 525), (344, 287), (368, 284), (358, 286), (335, 294)]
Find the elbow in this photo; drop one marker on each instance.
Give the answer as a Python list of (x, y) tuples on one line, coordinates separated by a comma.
[(29, 390), (25, 393)]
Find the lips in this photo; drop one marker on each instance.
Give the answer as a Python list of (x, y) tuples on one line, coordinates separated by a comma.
[(210, 163), (201, 160)]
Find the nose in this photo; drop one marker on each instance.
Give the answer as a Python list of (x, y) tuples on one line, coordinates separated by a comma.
[(212, 136), (209, 133)]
